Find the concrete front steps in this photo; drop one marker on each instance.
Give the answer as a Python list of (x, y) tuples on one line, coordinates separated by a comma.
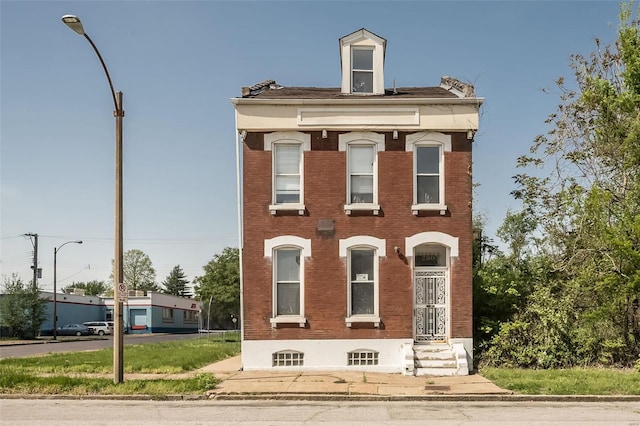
[(436, 359)]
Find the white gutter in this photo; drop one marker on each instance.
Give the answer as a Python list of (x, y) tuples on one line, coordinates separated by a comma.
[(240, 223)]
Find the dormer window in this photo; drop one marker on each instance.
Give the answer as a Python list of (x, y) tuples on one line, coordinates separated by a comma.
[(362, 58), (362, 74)]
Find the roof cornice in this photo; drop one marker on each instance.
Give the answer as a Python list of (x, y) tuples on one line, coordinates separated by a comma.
[(360, 100)]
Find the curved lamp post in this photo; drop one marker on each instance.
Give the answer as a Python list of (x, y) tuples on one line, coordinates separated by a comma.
[(55, 297), (74, 23)]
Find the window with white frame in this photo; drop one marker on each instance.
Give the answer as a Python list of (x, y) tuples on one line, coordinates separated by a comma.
[(287, 169), (362, 278), (362, 70), (362, 59), (287, 165), (287, 253), (287, 278), (362, 169), (428, 170), (428, 165), (362, 254)]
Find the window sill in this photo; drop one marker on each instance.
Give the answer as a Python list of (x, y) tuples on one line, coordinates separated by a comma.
[(274, 208), (363, 318), (293, 319), (416, 208), (375, 208)]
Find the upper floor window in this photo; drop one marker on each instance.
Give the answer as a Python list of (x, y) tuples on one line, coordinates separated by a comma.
[(428, 166), (428, 170), (287, 174), (362, 169), (362, 70), (288, 253), (361, 173), (362, 58), (287, 169)]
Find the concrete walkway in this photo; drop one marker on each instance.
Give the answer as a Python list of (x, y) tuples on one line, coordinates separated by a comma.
[(237, 382)]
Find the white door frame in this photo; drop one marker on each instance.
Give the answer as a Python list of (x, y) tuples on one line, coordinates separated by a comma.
[(433, 238)]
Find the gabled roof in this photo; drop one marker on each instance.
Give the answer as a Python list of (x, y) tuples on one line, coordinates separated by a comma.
[(363, 34)]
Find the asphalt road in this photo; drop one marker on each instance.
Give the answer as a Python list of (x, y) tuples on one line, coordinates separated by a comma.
[(86, 344), (262, 413)]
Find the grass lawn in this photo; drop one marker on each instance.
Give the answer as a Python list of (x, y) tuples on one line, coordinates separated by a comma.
[(575, 381), (22, 375)]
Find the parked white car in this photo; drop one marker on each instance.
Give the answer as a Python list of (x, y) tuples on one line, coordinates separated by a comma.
[(100, 327)]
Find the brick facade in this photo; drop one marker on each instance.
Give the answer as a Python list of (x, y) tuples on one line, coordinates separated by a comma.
[(325, 297)]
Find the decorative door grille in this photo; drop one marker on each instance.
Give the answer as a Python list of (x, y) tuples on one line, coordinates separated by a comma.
[(431, 306)]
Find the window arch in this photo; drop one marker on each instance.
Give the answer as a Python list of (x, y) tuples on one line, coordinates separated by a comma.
[(432, 238)]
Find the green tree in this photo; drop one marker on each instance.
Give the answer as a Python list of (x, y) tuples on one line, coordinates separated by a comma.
[(176, 283), (585, 202), (91, 288), (219, 289), (22, 309), (138, 270)]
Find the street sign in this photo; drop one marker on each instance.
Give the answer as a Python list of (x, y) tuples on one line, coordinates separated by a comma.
[(123, 294)]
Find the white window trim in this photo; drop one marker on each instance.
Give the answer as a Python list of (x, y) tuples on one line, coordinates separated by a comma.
[(443, 142), (432, 238), (284, 242), (379, 247), (372, 70), (362, 138), (366, 39), (287, 138)]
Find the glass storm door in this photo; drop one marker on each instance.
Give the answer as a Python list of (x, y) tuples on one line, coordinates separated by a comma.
[(430, 305)]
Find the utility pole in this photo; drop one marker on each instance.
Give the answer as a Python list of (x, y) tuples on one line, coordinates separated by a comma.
[(34, 242)]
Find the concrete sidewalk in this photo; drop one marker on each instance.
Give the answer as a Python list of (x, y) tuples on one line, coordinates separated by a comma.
[(352, 383)]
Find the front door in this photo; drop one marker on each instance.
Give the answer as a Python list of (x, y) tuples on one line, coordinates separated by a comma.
[(430, 275)]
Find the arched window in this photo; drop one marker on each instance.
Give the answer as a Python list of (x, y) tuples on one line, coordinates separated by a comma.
[(362, 253), (428, 169), (288, 254), (287, 169)]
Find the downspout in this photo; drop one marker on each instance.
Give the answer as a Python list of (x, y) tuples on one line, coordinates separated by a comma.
[(240, 222)]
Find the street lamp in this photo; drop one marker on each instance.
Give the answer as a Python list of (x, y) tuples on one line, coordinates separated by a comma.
[(55, 297), (74, 23)]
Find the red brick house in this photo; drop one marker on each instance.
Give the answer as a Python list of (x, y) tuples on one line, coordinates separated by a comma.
[(356, 221)]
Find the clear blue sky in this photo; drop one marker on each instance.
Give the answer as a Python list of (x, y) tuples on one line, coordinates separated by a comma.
[(179, 62)]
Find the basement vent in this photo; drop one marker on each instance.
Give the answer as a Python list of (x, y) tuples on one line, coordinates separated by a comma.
[(288, 359), (363, 358)]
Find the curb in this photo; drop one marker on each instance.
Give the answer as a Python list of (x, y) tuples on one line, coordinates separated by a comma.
[(337, 397)]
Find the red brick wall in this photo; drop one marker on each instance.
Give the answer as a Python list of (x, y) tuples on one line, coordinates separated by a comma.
[(325, 285)]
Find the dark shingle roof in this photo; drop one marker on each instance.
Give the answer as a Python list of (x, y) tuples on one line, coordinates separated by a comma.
[(279, 92)]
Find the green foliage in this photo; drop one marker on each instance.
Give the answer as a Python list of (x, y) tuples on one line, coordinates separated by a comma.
[(575, 381), (22, 310), (153, 358), (138, 270), (91, 288), (578, 279), (176, 283), (19, 383), (219, 289)]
